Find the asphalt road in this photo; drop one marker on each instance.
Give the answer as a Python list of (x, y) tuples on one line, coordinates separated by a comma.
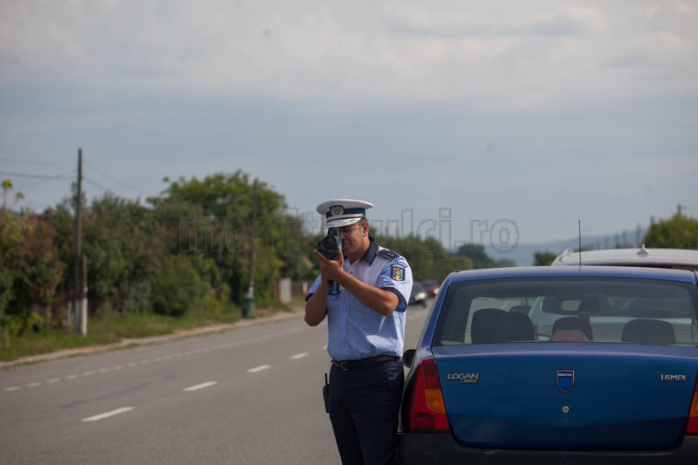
[(251, 395)]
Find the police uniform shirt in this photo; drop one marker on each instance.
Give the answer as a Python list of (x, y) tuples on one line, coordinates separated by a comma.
[(356, 331)]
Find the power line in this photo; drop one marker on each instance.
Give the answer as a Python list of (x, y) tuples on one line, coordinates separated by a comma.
[(111, 178), (36, 183), (95, 184), (33, 176)]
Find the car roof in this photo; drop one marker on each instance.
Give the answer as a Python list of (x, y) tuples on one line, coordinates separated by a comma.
[(575, 272), (631, 257)]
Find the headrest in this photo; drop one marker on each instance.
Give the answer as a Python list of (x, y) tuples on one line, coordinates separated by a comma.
[(646, 331)]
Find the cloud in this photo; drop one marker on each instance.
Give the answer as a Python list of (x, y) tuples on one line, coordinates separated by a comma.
[(499, 56), (570, 22)]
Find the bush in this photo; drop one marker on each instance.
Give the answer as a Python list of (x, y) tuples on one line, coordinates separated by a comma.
[(543, 258), (137, 295), (177, 288), (679, 232), (16, 325)]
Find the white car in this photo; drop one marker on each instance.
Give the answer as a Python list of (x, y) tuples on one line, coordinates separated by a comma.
[(603, 318), (684, 259)]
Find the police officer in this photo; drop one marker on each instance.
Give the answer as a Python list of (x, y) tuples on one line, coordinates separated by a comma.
[(366, 330)]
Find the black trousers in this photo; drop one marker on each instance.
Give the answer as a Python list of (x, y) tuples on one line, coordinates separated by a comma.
[(364, 407)]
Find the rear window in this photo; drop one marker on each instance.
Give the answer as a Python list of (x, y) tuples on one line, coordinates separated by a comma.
[(569, 310)]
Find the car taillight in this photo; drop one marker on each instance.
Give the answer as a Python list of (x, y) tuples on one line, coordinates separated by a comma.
[(425, 408), (692, 425)]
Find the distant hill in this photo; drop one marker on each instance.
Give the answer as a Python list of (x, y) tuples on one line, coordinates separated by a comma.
[(523, 253)]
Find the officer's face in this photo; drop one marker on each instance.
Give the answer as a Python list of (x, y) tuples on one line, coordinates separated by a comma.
[(352, 238)]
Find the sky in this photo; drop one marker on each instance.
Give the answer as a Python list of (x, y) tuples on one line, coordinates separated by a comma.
[(526, 115)]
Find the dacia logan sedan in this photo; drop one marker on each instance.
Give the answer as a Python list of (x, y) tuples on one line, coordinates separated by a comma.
[(485, 386)]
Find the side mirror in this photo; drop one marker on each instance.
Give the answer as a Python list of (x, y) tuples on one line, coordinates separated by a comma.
[(408, 357)]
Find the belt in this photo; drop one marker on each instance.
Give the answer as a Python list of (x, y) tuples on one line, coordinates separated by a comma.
[(351, 364)]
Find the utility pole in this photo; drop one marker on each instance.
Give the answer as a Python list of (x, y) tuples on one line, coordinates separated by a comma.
[(248, 307), (79, 312), (83, 296)]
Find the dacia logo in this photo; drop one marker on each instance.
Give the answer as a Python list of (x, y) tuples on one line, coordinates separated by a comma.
[(565, 380), (673, 377), (465, 378)]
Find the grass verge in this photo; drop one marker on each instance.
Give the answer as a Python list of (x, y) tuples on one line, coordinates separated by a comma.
[(108, 328)]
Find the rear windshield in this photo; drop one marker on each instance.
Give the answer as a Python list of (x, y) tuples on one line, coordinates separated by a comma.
[(569, 310)]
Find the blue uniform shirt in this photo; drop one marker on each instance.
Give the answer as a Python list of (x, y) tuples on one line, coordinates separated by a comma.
[(355, 331)]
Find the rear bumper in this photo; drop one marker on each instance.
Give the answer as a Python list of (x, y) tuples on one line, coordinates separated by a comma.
[(427, 449)]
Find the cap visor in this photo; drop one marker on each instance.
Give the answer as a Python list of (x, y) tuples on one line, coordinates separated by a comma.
[(341, 222)]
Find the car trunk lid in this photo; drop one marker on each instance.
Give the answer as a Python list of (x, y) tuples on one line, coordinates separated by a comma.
[(567, 395)]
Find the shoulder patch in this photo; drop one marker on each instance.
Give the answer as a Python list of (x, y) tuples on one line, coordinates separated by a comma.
[(389, 254), (397, 273)]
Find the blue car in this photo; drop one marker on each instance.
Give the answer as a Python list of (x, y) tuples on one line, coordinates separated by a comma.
[(555, 365)]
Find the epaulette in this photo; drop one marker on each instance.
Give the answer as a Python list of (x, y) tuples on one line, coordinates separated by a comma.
[(389, 254)]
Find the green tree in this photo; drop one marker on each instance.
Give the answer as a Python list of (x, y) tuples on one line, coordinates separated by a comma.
[(678, 232), (10, 238), (6, 189), (219, 226), (177, 287), (30, 270), (543, 258), (427, 257), (124, 247), (476, 253), (120, 241)]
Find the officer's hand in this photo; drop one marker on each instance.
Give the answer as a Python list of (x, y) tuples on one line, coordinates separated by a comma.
[(330, 270), (323, 268)]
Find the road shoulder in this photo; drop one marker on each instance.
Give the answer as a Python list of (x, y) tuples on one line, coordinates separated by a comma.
[(267, 318)]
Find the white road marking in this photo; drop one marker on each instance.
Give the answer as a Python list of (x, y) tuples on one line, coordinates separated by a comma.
[(108, 414), (200, 386), (167, 357), (259, 368)]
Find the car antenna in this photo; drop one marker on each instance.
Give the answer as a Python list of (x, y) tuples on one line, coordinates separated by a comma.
[(579, 222)]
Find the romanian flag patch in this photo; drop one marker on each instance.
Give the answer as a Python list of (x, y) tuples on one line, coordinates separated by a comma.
[(398, 273)]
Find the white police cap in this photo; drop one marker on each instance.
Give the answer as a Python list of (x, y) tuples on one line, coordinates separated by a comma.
[(343, 212)]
